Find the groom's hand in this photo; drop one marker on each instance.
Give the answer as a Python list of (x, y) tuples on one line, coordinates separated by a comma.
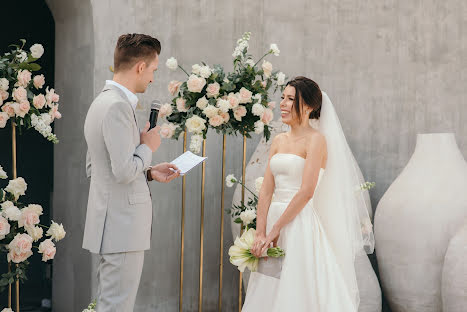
[(164, 172), (151, 138)]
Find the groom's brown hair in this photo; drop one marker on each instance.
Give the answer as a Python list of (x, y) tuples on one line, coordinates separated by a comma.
[(132, 48)]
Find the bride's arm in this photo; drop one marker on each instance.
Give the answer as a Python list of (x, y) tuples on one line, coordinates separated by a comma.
[(264, 201), (315, 151)]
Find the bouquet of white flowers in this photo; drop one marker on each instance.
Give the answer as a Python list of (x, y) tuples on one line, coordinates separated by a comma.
[(241, 256), (20, 229), (21, 101), (230, 103)]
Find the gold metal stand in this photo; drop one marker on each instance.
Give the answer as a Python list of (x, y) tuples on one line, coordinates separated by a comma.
[(182, 226), (240, 275), (221, 247), (201, 236), (15, 175)]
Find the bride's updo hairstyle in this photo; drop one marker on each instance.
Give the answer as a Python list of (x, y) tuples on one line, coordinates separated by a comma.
[(308, 92)]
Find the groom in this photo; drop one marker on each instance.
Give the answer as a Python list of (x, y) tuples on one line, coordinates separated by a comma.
[(119, 212)]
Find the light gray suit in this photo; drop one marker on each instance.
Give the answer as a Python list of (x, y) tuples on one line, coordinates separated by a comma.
[(119, 211)]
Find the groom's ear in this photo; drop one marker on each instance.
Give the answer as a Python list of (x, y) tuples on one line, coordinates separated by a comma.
[(140, 66)]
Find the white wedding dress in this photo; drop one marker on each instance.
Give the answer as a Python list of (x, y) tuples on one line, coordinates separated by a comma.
[(311, 278)]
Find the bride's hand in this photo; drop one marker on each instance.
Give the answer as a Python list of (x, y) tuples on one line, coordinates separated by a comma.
[(272, 237), (258, 243)]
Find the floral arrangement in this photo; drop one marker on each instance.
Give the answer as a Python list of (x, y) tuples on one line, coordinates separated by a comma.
[(91, 307), (231, 103), (20, 230), (20, 98)]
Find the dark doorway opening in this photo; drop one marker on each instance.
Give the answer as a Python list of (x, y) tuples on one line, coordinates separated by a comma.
[(33, 21)]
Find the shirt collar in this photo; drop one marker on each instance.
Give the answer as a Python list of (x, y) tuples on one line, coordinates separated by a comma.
[(130, 95)]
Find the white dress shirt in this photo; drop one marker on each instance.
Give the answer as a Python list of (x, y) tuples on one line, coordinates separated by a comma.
[(130, 95)]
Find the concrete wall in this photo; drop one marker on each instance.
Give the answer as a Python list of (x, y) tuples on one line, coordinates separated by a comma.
[(392, 69)]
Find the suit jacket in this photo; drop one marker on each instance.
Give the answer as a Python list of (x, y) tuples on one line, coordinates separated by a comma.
[(119, 210)]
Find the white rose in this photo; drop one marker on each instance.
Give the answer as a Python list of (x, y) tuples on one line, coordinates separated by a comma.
[(195, 143), (230, 180), (165, 110), (35, 232), (4, 84), (37, 50), (274, 49), (202, 103), (280, 78), (248, 216), (7, 310), (4, 227), (205, 72), (257, 109), (3, 174), (172, 63), (10, 211), (259, 183), (257, 97), (250, 62), (195, 124), (195, 84), (195, 69), (259, 127), (223, 105), (267, 68), (17, 187), (210, 111), (56, 231), (22, 56)]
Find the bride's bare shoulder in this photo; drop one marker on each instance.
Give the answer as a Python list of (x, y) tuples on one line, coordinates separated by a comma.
[(316, 139)]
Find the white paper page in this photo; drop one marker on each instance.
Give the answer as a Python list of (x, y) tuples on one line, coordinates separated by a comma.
[(187, 161)]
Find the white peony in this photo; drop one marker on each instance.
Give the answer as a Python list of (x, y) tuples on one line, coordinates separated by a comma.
[(10, 211), (230, 180), (195, 124), (35, 232), (258, 184), (274, 49), (17, 187), (205, 71), (259, 127), (202, 103), (37, 50), (3, 174), (257, 109), (267, 68), (280, 78), (210, 111), (4, 84), (172, 63), (56, 231), (223, 105), (4, 227), (247, 216), (195, 143)]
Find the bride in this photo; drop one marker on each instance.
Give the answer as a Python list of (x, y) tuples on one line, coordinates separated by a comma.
[(315, 214)]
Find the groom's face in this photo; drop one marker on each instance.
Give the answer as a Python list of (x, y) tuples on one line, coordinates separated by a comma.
[(146, 73)]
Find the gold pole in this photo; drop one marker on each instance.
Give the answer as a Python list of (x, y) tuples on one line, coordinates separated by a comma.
[(201, 236), (9, 287), (182, 243), (221, 253), (240, 298), (15, 175)]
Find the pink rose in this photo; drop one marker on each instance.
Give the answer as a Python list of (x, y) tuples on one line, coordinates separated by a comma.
[(8, 108), (167, 130), (267, 116), (55, 98), (195, 83), (3, 120), (165, 110), (245, 96), (4, 226), (58, 115), (20, 94), (272, 105), (233, 100), (264, 84), (24, 106), (20, 248), (181, 105), (174, 86), (47, 249), (24, 77), (225, 116), (213, 90), (29, 218), (216, 120), (54, 113), (38, 101), (39, 81), (20, 110), (4, 95), (239, 112), (50, 96)]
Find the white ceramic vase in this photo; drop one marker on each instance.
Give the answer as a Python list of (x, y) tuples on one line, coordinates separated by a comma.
[(415, 220)]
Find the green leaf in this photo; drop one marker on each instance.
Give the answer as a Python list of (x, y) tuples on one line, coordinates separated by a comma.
[(30, 66)]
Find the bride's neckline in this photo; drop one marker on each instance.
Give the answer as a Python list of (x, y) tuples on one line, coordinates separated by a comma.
[(291, 154)]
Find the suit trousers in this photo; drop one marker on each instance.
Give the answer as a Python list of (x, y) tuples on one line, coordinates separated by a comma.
[(118, 276)]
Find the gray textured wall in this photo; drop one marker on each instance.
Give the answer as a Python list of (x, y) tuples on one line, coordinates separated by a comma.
[(392, 69)]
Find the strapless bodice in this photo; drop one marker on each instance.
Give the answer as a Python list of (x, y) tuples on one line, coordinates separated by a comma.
[(287, 170)]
